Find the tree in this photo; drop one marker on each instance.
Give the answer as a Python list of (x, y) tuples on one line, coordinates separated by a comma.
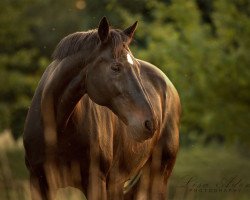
[(29, 31)]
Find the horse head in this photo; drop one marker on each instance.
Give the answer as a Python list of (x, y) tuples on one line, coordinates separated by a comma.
[(113, 80)]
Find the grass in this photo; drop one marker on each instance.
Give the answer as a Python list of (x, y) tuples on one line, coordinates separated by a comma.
[(16, 164), (212, 172), (204, 167)]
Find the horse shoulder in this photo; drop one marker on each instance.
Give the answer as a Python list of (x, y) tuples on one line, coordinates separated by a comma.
[(170, 107)]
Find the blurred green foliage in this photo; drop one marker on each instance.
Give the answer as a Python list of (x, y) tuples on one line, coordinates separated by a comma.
[(203, 46)]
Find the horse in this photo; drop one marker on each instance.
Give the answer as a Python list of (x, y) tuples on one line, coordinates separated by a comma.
[(102, 121)]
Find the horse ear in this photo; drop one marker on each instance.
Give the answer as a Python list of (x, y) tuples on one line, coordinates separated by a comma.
[(103, 30), (130, 30)]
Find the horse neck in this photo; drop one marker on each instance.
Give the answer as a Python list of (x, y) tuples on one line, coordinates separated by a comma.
[(62, 90)]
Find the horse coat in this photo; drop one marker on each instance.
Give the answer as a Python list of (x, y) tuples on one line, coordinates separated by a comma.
[(84, 129)]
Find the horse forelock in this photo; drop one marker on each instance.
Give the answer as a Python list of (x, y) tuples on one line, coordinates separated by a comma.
[(88, 40), (118, 39)]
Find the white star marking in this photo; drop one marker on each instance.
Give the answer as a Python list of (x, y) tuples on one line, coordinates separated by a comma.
[(130, 59)]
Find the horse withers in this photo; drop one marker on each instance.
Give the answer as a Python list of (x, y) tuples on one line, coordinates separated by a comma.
[(102, 121)]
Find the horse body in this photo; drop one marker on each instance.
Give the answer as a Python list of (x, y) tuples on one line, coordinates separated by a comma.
[(96, 150)]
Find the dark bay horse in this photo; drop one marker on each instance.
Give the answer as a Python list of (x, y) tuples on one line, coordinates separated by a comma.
[(102, 121)]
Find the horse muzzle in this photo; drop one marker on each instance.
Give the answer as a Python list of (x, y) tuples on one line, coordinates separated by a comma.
[(144, 131)]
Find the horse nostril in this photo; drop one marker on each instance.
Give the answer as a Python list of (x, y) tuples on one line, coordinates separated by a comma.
[(149, 125)]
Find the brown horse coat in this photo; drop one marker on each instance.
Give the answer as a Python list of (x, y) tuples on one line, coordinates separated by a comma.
[(73, 138)]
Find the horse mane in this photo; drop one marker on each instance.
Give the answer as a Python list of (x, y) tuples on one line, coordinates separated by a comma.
[(88, 40)]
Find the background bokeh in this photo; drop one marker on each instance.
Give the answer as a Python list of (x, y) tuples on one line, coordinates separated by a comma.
[(203, 46)]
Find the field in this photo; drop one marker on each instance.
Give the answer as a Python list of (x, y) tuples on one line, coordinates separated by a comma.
[(213, 172)]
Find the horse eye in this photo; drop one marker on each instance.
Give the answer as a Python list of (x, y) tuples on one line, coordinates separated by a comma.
[(116, 67)]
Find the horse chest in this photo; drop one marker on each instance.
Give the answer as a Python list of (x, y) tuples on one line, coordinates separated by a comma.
[(130, 157)]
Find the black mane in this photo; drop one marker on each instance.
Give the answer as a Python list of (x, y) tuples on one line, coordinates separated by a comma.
[(88, 40)]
